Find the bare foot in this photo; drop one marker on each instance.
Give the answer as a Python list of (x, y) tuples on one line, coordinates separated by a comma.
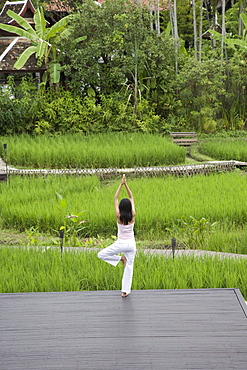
[(124, 295), (124, 260)]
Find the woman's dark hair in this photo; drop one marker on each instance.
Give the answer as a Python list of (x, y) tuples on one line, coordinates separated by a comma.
[(125, 208)]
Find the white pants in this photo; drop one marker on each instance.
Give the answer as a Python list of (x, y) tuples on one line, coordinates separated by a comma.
[(109, 255)]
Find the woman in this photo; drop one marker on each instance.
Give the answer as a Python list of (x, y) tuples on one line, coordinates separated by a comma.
[(125, 243)]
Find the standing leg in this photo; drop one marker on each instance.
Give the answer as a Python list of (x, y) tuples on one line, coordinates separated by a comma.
[(128, 272)]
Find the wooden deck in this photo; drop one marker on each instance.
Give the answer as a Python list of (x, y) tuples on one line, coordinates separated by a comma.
[(156, 329)]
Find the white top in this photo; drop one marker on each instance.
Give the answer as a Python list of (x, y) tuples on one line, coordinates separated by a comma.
[(125, 231)]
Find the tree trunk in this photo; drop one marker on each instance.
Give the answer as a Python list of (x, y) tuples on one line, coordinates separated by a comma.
[(200, 33), (214, 28), (223, 30), (151, 14), (171, 17), (174, 28), (176, 34), (157, 16), (194, 26), (240, 23), (175, 20), (136, 77)]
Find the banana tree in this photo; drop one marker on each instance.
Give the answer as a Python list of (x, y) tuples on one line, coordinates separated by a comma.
[(242, 43), (43, 41), (232, 42)]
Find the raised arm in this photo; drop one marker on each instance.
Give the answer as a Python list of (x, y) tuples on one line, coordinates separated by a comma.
[(116, 199), (129, 194), (116, 204)]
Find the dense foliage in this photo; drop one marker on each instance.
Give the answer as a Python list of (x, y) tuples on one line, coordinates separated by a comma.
[(63, 111), (128, 75)]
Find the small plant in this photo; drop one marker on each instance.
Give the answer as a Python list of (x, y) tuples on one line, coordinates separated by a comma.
[(193, 233), (73, 224), (32, 236)]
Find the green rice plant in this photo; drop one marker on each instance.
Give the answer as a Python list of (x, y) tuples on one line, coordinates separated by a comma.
[(225, 149), (160, 202), (228, 239), (189, 272), (92, 151), (46, 270)]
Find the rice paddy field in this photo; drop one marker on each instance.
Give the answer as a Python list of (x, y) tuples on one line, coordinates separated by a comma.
[(201, 212), (92, 151), (225, 149), (38, 270)]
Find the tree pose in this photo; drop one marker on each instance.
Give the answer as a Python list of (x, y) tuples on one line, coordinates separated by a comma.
[(125, 243)]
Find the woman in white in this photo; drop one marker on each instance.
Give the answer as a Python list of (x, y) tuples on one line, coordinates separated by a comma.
[(125, 243)]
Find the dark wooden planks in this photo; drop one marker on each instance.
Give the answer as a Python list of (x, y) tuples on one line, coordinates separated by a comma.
[(3, 176), (184, 138), (156, 329)]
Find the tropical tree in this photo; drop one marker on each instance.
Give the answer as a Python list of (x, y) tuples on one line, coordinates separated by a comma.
[(43, 41), (121, 53)]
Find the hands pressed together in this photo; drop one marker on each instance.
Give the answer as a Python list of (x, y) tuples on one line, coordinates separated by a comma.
[(123, 182)]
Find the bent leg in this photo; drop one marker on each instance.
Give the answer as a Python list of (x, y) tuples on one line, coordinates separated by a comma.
[(109, 254)]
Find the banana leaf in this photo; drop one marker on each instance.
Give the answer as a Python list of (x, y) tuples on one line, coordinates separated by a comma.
[(25, 56), (216, 35), (22, 22), (42, 47), (79, 39), (233, 42), (244, 19), (230, 42), (167, 31), (18, 31), (55, 70), (66, 32), (57, 27), (40, 22)]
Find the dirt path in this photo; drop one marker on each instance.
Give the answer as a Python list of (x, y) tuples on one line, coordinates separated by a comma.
[(164, 252), (187, 169), (194, 252)]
